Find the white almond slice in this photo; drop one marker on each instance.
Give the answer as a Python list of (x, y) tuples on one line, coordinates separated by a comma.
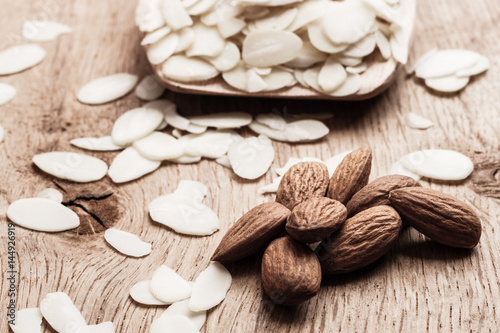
[(71, 166), (141, 293), (176, 133), (278, 79), (236, 77), (127, 243), (447, 84), (184, 69), (162, 125), (349, 61), (439, 164), (254, 82), (265, 48), (7, 92), (481, 66), (416, 121), (163, 105), (184, 215), (196, 129), (186, 159), (332, 75), (383, 44), (210, 144), (52, 194), (384, 10), (174, 323), (169, 286), (422, 59), (43, 31), (320, 41), (60, 312), (251, 157), (149, 88), (230, 26), (446, 62), (357, 69), (362, 48), (186, 39), (189, 3), (192, 189), (163, 49), (399, 51), (299, 76), (223, 11), (148, 17), (129, 165), (201, 7), (263, 71), (42, 214), (275, 134), (271, 188), (223, 120), (27, 321), (228, 59), (135, 124), (104, 143), (174, 119), (398, 169), (333, 162), (18, 58), (310, 76), (159, 146), (105, 327), (305, 130), (224, 161), (279, 19), (351, 86), (272, 120), (308, 11), (155, 36), (181, 308), (107, 88), (207, 42), (175, 15), (276, 3), (347, 22), (210, 287), (307, 57)]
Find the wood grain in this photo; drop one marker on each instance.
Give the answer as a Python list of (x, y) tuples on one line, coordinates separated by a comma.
[(419, 286)]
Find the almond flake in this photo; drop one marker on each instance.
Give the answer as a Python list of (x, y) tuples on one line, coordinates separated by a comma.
[(439, 164), (42, 215), (104, 143), (129, 165), (175, 120), (211, 144), (149, 88), (230, 26), (422, 59), (135, 124), (207, 41), (415, 121), (52, 194), (18, 58), (228, 59), (210, 287), (192, 189), (264, 48), (7, 92), (383, 45), (159, 146), (347, 22), (305, 130), (332, 75), (27, 321), (107, 89), (279, 19), (184, 69), (236, 77), (127, 243), (351, 86), (357, 69), (272, 120), (181, 308), (155, 36), (60, 312), (175, 15), (224, 161), (163, 49), (251, 157), (201, 7), (148, 16), (223, 120), (196, 129), (446, 62), (42, 31), (174, 323), (168, 286), (141, 293), (398, 169), (333, 162), (105, 327), (186, 39), (308, 11), (320, 41), (307, 56), (278, 79), (447, 84), (186, 159), (480, 66), (275, 134), (71, 166), (362, 48)]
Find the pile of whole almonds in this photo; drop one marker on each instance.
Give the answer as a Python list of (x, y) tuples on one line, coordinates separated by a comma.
[(354, 222)]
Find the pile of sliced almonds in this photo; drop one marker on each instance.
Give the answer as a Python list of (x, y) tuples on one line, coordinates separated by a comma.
[(450, 70), (272, 44)]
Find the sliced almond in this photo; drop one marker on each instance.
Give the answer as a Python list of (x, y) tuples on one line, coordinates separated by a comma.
[(186, 39), (357, 69), (447, 84), (155, 36), (307, 56), (362, 48), (347, 22), (43, 31), (181, 308), (207, 42), (201, 7), (159, 146), (319, 39), (196, 129), (18, 58), (52, 194), (7, 92), (184, 69), (27, 321), (230, 26), (446, 62), (422, 59), (332, 75), (192, 189), (278, 19), (127, 243), (104, 143), (305, 130), (162, 50), (224, 161), (148, 17), (149, 88), (223, 120), (107, 89), (308, 11), (398, 169), (129, 165), (416, 121), (60, 312), (251, 158), (264, 48), (135, 124), (227, 59), (383, 45), (480, 66), (254, 82), (175, 120), (141, 293), (351, 85), (210, 287), (168, 286), (278, 79), (211, 144), (271, 120), (174, 323), (175, 15), (236, 77), (71, 166)]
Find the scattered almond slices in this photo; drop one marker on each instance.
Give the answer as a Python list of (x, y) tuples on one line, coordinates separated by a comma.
[(129, 165), (415, 121), (211, 144), (42, 214), (107, 88), (304, 130), (60, 312), (52, 194), (27, 320), (479, 67), (251, 157), (141, 293), (181, 308), (43, 31), (398, 169), (104, 143), (149, 88), (223, 120), (439, 164), (127, 243), (168, 286), (71, 166), (135, 124), (210, 287), (447, 84), (18, 58), (7, 92), (159, 146)]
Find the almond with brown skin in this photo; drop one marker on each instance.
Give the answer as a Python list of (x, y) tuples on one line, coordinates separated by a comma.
[(437, 215), (360, 241), (291, 273), (377, 192), (314, 219), (351, 175), (302, 181), (252, 232)]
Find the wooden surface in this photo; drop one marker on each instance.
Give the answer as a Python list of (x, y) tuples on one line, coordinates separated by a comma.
[(418, 286)]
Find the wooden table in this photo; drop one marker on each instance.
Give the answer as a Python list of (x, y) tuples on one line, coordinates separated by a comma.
[(418, 286)]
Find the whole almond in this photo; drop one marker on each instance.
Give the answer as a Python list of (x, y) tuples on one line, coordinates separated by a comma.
[(351, 175), (302, 181), (437, 215), (377, 192), (360, 241), (315, 219), (291, 273), (252, 232)]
